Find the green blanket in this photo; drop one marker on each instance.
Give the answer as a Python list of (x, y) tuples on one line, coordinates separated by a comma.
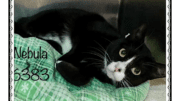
[(37, 80)]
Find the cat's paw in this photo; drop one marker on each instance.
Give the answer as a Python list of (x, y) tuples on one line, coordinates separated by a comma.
[(71, 73)]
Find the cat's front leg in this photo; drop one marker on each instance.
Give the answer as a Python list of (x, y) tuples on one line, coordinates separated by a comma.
[(101, 76), (72, 74), (97, 72)]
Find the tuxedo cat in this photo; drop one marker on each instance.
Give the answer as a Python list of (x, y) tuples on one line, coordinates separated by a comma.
[(91, 47)]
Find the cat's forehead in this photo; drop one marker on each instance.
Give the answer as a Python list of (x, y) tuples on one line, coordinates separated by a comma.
[(142, 54), (129, 46), (121, 43)]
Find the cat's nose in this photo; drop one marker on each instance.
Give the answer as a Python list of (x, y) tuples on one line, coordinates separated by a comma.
[(117, 70)]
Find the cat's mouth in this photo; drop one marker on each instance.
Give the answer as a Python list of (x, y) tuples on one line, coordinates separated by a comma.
[(115, 72), (117, 75)]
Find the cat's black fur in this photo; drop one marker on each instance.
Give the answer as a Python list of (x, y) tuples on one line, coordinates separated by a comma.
[(92, 40)]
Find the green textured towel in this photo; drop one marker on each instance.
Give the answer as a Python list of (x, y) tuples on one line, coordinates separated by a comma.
[(56, 88)]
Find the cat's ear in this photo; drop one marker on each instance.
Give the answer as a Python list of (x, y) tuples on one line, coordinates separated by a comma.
[(138, 35), (158, 71)]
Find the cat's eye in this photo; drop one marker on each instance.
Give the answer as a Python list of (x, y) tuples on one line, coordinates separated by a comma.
[(122, 52), (136, 71)]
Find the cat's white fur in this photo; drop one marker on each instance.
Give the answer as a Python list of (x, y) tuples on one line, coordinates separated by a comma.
[(117, 76), (65, 43)]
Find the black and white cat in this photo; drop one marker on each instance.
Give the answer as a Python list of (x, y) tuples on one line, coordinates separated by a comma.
[(91, 47)]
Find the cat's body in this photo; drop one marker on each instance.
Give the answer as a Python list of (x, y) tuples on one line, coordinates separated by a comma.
[(91, 47)]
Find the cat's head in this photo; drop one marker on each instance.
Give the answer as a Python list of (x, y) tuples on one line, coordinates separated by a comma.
[(129, 62)]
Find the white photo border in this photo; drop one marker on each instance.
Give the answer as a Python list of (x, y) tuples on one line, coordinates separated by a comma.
[(11, 50), (168, 50)]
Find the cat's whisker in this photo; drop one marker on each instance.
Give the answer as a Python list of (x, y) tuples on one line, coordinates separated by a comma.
[(94, 54), (123, 83), (97, 53), (132, 84), (99, 64), (147, 36), (108, 40), (149, 63), (139, 46), (101, 51), (105, 63), (94, 59), (108, 57), (152, 65), (104, 57), (151, 33), (96, 63), (128, 86), (128, 82), (118, 84), (104, 50)]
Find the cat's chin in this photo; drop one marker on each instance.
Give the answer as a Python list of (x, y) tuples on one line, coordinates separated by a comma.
[(115, 76), (113, 73), (116, 70)]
